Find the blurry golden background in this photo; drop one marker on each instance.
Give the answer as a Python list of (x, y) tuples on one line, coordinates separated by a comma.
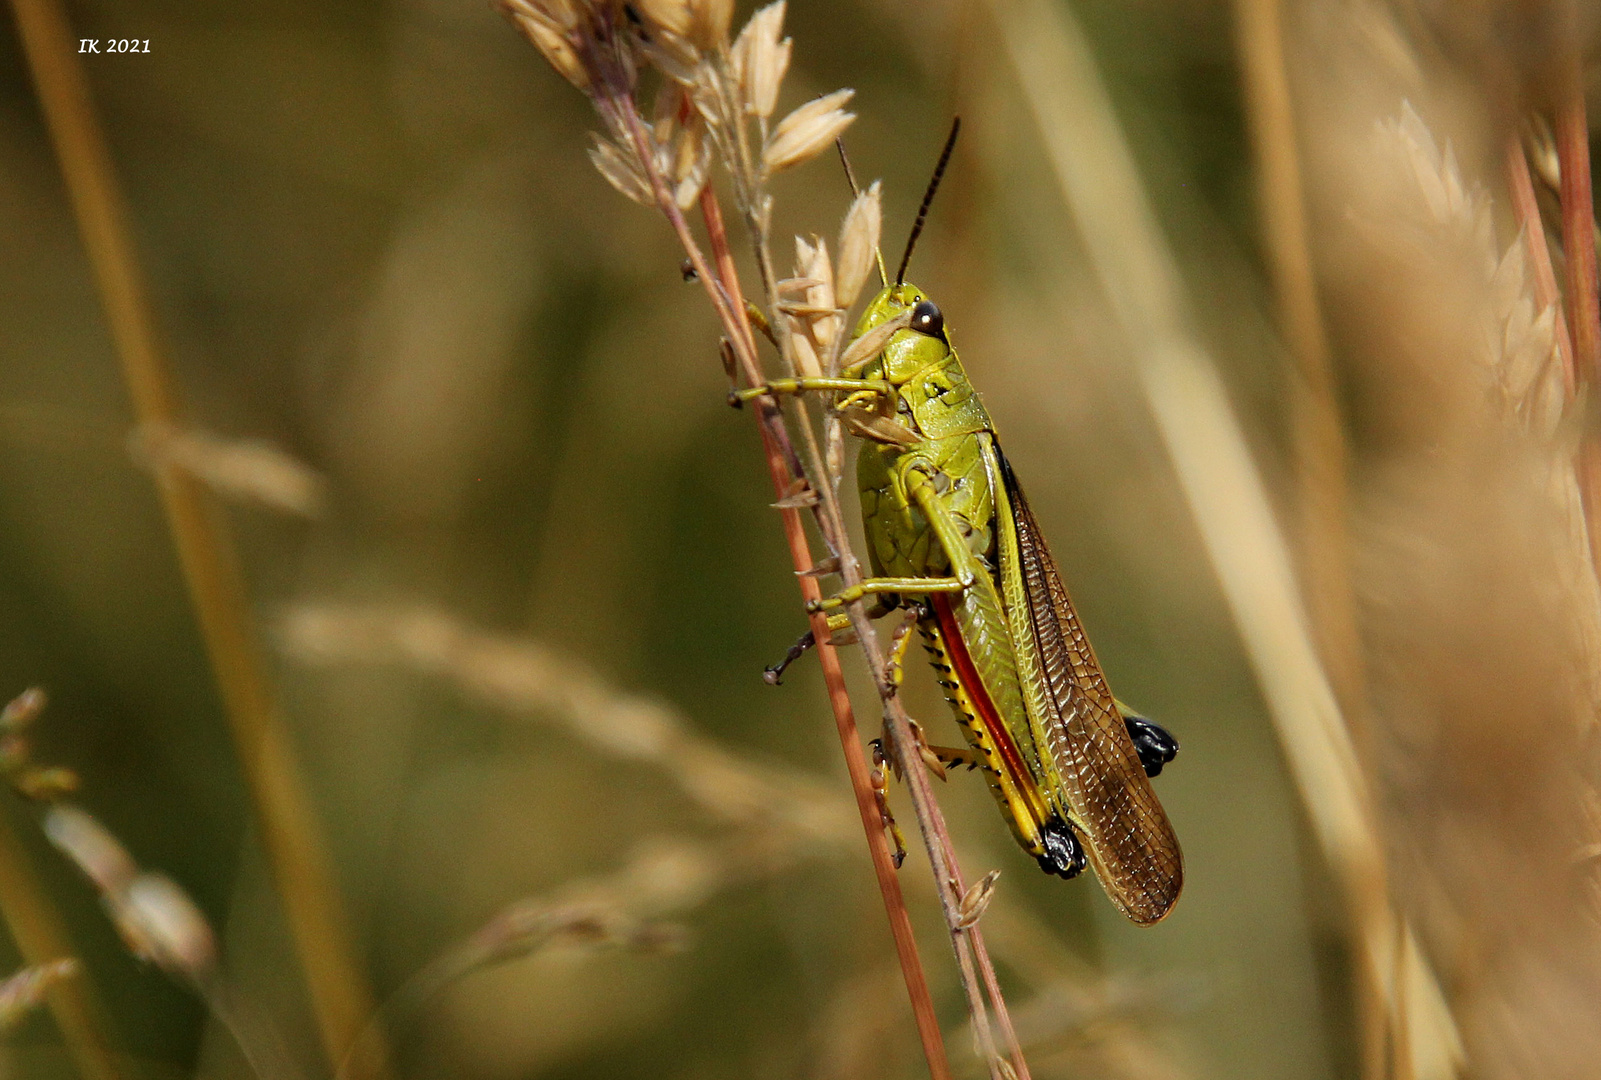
[(374, 242)]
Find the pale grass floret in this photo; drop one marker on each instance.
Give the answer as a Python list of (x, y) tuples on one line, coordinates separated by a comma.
[(814, 315), (91, 846), (858, 244), (761, 59), (245, 470), (807, 131), (153, 914), (682, 151), (22, 710), (701, 23), (620, 170), (25, 990), (549, 25), (870, 344), (527, 677), (977, 899), (162, 925)]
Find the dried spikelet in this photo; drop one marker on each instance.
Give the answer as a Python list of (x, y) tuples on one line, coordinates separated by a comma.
[(620, 170), (976, 900), (245, 470), (161, 924), (869, 345), (529, 925), (25, 990), (526, 677), (823, 328), (803, 349), (813, 316), (702, 24), (858, 245), (807, 132), (45, 785), (683, 153), (91, 846), (1540, 145), (155, 917), (1448, 199), (834, 449), (760, 60), (21, 710), (550, 27), (1530, 376)]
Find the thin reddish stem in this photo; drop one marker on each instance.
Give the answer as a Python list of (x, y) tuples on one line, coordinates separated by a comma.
[(1584, 306), (889, 885), (1578, 234), (1526, 210)]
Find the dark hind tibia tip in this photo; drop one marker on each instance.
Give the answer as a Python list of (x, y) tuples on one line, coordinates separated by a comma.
[(1064, 855), (773, 674), (1156, 747), (735, 401)]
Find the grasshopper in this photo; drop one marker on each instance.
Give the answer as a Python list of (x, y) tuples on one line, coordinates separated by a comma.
[(947, 522)]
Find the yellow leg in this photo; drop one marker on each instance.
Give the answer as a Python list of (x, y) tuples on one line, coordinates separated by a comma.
[(869, 586), (876, 387)]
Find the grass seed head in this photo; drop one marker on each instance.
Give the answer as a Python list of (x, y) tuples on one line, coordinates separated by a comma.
[(761, 59), (807, 132), (858, 244)]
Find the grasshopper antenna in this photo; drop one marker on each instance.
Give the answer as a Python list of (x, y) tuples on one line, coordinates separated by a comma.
[(928, 197), (850, 178)]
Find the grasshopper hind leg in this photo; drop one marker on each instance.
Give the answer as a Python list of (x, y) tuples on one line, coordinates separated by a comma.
[(1063, 855)]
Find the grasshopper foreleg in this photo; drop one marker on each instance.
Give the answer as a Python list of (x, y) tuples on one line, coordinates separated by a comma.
[(875, 586), (811, 385)]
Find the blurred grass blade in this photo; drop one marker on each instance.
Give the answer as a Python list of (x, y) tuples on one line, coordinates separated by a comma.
[(302, 873), (1099, 183)]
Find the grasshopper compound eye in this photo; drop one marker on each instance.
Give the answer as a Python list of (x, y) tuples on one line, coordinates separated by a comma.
[(927, 319)]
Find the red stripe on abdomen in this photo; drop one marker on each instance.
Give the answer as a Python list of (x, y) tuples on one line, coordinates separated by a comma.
[(967, 674)]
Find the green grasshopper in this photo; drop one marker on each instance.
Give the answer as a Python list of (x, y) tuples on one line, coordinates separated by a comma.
[(946, 521)]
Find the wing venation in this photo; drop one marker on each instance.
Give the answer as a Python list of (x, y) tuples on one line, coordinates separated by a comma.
[(1131, 842)]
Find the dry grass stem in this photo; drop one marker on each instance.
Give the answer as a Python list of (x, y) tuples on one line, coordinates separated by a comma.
[(303, 875), (1321, 536)]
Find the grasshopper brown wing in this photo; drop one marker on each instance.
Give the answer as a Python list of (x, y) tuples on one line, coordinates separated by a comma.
[(1131, 843)]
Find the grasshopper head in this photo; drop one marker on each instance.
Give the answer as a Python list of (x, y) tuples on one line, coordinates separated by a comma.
[(911, 350)]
